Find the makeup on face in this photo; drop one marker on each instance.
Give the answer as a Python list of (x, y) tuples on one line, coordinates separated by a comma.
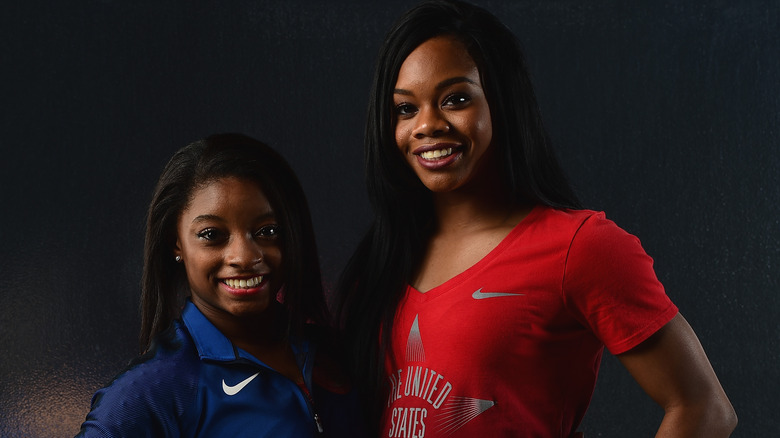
[(443, 125), (228, 239)]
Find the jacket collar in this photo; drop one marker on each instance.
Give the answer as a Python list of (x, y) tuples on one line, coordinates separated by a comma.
[(213, 345)]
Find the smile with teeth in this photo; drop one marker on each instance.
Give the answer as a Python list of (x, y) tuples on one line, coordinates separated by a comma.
[(438, 154), (244, 283)]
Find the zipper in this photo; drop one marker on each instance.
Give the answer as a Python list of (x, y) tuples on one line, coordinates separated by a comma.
[(304, 357), (317, 419), (302, 385)]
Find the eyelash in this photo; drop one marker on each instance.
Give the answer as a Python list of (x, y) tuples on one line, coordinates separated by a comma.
[(208, 234), (399, 109), (455, 99), (266, 232), (273, 229)]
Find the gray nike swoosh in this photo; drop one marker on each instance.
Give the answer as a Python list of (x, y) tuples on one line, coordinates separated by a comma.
[(479, 295), (233, 390)]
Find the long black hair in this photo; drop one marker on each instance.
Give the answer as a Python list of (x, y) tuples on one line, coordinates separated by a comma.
[(375, 278), (197, 164)]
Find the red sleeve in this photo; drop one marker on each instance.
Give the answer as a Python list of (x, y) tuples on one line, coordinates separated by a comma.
[(611, 287)]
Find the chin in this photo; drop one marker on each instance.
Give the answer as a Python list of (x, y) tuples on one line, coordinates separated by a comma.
[(441, 186), (250, 309)]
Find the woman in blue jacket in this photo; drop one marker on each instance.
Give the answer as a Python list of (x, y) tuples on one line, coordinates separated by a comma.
[(234, 336)]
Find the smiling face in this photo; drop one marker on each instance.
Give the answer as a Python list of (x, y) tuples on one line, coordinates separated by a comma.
[(229, 242), (442, 119)]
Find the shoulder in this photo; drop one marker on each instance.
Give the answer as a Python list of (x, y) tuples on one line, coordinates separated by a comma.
[(578, 228), (152, 393), (611, 285), (561, 223), (599, 239)]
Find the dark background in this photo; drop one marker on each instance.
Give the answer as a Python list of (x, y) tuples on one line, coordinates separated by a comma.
[(665, 115)]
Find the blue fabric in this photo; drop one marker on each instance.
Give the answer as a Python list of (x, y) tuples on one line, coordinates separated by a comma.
[(180, 388)]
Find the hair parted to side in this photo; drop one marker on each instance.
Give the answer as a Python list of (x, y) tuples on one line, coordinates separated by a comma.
[(198, 164), (375, 278)]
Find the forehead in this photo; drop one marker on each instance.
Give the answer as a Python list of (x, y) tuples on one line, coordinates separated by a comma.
[(229, 192), (437, 58)]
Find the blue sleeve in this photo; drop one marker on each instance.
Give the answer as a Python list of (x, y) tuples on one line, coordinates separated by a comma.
[(148, 399)]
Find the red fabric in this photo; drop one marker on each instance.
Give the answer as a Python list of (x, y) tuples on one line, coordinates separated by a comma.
[(467, 363)]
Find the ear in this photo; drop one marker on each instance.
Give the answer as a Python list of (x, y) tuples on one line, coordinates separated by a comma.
[(177, 252)]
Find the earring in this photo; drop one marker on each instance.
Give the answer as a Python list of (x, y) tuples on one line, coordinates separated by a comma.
[(178, 258)]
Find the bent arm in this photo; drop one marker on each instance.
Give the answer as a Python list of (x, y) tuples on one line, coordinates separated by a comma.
[(672, 368)]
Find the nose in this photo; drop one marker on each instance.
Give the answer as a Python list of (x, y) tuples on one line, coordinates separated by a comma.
[(243, 253), (430, 123)]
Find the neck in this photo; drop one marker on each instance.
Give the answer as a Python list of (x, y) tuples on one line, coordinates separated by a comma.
[(266, 331), (483, 203)]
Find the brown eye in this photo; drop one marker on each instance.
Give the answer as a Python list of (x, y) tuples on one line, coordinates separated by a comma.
[(456, 100), (210, 234), (405, 109), (268, 231)]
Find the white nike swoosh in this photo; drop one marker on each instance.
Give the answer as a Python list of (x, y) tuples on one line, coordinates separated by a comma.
[(479, 295), (233, 390)]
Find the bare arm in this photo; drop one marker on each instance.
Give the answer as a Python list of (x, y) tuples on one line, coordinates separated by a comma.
[(673, 370)]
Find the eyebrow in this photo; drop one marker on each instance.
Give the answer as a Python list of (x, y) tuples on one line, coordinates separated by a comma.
[(443, 84), (206, 217), (213, 217)]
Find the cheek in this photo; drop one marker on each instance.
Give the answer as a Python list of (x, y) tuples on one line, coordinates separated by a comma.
[(486, 123), (485, 131), (274, 260), (272, 254), (194, 271), (402, 133), (199, 266), (480, 127), (476, 121), (274, 257)]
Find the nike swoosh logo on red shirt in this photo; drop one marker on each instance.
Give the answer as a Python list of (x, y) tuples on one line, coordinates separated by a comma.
[(233, 390), (479, 295)]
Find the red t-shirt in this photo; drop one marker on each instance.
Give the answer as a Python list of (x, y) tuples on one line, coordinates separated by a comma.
[(512, 345)]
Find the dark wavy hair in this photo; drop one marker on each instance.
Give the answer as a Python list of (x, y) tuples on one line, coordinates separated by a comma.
[(376, 276), (197, 164)]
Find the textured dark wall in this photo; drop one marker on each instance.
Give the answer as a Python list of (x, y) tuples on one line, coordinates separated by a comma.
[(666, 116)]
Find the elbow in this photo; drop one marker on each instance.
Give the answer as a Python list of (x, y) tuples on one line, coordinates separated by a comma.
[(720, 418), (721, 413), (728, 417), (713, 417)]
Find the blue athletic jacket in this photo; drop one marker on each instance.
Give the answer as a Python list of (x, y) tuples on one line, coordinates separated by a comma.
[(195, 383)]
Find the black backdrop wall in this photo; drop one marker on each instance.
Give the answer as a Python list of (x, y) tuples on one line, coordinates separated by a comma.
[(665, 115)]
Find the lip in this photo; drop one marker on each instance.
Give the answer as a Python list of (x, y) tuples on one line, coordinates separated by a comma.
[(457, 152), (435, 147), (244, 291)]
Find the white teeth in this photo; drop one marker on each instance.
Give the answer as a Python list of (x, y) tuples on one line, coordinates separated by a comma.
[(437, 154), (244, 283)]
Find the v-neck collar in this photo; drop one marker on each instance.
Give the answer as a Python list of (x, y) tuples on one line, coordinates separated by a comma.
[(507, 241)]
